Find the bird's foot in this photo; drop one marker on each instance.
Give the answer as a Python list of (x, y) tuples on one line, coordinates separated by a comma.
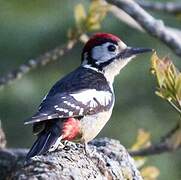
[(69, 144), (89, 151), (57, 146)]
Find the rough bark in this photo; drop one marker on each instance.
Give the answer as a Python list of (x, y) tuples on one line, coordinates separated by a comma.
[(107, 159)]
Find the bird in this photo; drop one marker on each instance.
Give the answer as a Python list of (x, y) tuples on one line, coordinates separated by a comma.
[(79, 105)]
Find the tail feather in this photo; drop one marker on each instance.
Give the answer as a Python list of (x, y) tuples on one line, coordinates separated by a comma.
[(44, 142)]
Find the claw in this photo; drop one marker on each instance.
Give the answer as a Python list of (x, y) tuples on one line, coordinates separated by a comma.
[(88, 151), (58, 145), (69, 143)]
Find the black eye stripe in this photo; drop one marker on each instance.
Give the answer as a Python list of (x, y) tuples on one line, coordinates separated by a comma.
[(111, 48)]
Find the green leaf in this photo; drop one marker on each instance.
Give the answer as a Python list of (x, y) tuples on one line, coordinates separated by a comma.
[(150, 173), (79, 14), (168, 78), (178, 87), (97, 12), (142, 140)]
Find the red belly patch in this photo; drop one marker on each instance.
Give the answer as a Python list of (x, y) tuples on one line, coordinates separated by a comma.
[(71, 129)]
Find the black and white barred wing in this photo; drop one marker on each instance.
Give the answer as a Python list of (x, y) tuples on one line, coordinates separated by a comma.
[(75, 104)]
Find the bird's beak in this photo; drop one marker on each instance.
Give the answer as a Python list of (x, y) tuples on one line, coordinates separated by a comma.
[(130, 51)]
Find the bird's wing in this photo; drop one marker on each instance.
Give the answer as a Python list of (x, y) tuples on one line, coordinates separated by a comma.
[(80, 93), (75, 104)]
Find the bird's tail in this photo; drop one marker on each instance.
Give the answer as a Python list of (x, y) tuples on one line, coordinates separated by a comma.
[(44, 141)]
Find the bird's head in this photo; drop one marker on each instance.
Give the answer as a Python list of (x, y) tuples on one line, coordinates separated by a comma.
[(109, 54)]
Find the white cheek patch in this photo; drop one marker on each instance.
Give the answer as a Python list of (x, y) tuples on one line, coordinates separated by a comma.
[(122, 45), (102, 54), (93, 97)]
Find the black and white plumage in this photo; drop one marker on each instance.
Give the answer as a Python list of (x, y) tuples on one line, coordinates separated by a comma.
[(79, 105), (82, 92)]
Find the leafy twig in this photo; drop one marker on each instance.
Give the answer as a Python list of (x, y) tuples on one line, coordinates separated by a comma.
[(165, 145), (169, 88), (84, 23), (152, 150)]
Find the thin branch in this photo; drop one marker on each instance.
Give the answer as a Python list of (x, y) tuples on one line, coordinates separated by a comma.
[(124, 17), (162, 147), (152, 150), (127, 19), (152, 26), (169, 7), (171, 132), (42, 60)]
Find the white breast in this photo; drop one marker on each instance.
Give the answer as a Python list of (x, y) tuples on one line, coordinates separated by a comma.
[(91, 125)]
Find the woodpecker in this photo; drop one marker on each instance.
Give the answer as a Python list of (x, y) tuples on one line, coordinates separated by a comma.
[(79, 105)]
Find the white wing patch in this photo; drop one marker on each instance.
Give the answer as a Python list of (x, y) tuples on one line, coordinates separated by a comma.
[(93, 97), (69, 104)]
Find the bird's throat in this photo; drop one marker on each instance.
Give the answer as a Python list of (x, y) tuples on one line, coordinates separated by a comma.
[(114, 68)]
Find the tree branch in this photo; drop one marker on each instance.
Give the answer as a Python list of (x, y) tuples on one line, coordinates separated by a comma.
[(127, 19), (42, 60), (166, 144), (108, 160), (152, 26), (154, 149), (168, 7)]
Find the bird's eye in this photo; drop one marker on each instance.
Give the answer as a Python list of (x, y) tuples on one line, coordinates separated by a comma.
[(111, 48)]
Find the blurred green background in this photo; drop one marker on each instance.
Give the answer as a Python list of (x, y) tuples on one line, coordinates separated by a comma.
[(30, 28)]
